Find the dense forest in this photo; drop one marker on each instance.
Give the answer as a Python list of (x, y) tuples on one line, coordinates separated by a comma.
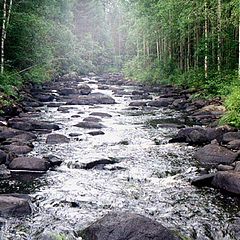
[(189, 43)]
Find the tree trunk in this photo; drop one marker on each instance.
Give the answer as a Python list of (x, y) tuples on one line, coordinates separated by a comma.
[(3, 34), (219, 35), (206, 39)]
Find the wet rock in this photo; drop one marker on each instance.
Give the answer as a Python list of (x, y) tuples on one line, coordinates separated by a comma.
[(90, 125), (14, 205), (3, 157), (96, 133), (227, 181), (237, 166), (53, 160), (29, 164), (67, 91), (161, 102), (235, 144), (222, 167), (127, 226), (231, 136), (180, 104), (92, 99), (6, 133), (99, 164), (4, 172), (75, 116), (31, 125), (18, 150), (193, 135), (75, 134), (84, 89), (57, 139), (138, 104), (92, 119), (64, 109), (44, 97), (101, 114), (204, 180), (212, 155), (24, 137)]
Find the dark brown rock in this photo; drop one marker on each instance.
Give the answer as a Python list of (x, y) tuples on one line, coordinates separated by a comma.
[(92, 119), (101, 114), (14, 205), (231, 136), (127, 226), (57, 139), (90, 125), (212, 155), (227, 181), (29, 164), (161, 102)]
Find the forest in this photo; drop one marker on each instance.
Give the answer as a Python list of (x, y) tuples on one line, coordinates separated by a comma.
[(189, 43)]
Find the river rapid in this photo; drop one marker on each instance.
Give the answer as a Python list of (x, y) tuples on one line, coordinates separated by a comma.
[(150, 176)]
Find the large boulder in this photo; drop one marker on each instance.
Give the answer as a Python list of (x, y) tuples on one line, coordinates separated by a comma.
[(84, 89), (91, 99), (90, 125), (18, 149), (127, 226), (231, 136), (212, 155), (29, 164), (227, 181), (14, 205), (161, 102), (57, 139)]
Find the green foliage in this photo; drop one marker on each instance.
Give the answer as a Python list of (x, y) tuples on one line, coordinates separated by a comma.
[(9, 82), (232, 103)]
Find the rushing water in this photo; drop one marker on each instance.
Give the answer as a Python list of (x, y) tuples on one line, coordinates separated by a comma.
[(150, 177)]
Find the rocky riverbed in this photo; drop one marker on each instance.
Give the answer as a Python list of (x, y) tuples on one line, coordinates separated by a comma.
[(81, 148)]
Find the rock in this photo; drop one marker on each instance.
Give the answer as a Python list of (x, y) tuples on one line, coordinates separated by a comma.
[(193, 135), (99, 164), (237, 166), (92, 119), (3, 157), (138, 104), (26, 124), (75, 134), (4, 172), (18, 150), (90, 125), (84, 89), (44, 97), (126, 226), (141, 97), (91, 99), (57, 139), (231, 136), (54, 160), (161, 102), (67, 91), (54, 104), (6, 133), (29, 164), (14, 205), (212, 155), (204, 180), (227, 181), (222, 167), (101, 114), (24, 137), (213, 108), (96, 133), (180, 104), (235, 144)]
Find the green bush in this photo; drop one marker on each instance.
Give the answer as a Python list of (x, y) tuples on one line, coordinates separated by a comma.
[(232, 103)]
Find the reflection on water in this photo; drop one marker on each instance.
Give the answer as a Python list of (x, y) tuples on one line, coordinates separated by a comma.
[(150, 177)]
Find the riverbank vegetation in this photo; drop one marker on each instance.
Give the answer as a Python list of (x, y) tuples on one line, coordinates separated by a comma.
[(189, 43)]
